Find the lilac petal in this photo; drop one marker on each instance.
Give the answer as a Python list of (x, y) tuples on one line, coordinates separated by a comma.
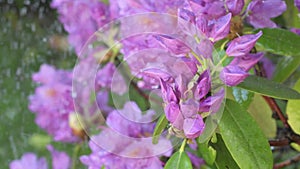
[(172, 111), (173, 45), (211, 9), (235, 6), (203, 86), (60, 160), (242, 45), (193, 127), (29, 161), (186, 15), (189, 108), (233, 75), (296, 30), (261, 11), (205, 48), (221, 28), (248, 61), (213, 103), (167, 92), (158, 74)]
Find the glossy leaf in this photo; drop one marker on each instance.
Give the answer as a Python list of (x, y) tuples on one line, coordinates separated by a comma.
[(242, 96), (279, 41), (268, 88), (286, 66), (224, 158), (293, 111), (262, 113), (159, 128), (179, 160), (244, 139), (208, 153)]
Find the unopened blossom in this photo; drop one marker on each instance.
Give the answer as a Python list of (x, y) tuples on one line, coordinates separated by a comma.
[(260, 12), (193, 126), (248, 61), (220, 27), (241, 46), (29, 161), (235, 6), (233, 75), (124, 144), (173, 45)]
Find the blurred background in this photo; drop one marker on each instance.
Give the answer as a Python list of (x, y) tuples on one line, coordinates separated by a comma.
[(30, 35)]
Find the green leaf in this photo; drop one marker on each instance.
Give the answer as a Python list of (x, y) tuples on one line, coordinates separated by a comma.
[(244, 139), (268, 88), (208, 153), (159, 128), (262, 113), (290, 16), (179, 160), (285, 67), (242, 96), (279, 41), (293, 111), (224, 158)]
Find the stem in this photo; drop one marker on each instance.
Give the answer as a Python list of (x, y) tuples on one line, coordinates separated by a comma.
[(219, 63), (199, 60), (182, 146), (75, 155), (287, 162)]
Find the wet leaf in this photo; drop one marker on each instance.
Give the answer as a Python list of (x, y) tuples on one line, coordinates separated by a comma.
[(244, 139)]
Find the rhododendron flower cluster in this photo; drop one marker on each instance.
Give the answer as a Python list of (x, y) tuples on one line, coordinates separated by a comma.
[(120, 87)]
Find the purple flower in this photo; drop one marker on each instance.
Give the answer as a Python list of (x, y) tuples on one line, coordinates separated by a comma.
[(52, 102), (29, 161), (260, 12), (235, 6), (233, 75), (296, 30), (81, 18), (211, 9), (203, 86), (212, 103), (173, 45), (193, 126), (297, 4), (60, 160), (124, 144), (242, 45), (220, 28), (248, 61)]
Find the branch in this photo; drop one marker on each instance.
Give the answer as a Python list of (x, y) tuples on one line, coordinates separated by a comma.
[(279, 142), (287, 162), (260, 71)]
